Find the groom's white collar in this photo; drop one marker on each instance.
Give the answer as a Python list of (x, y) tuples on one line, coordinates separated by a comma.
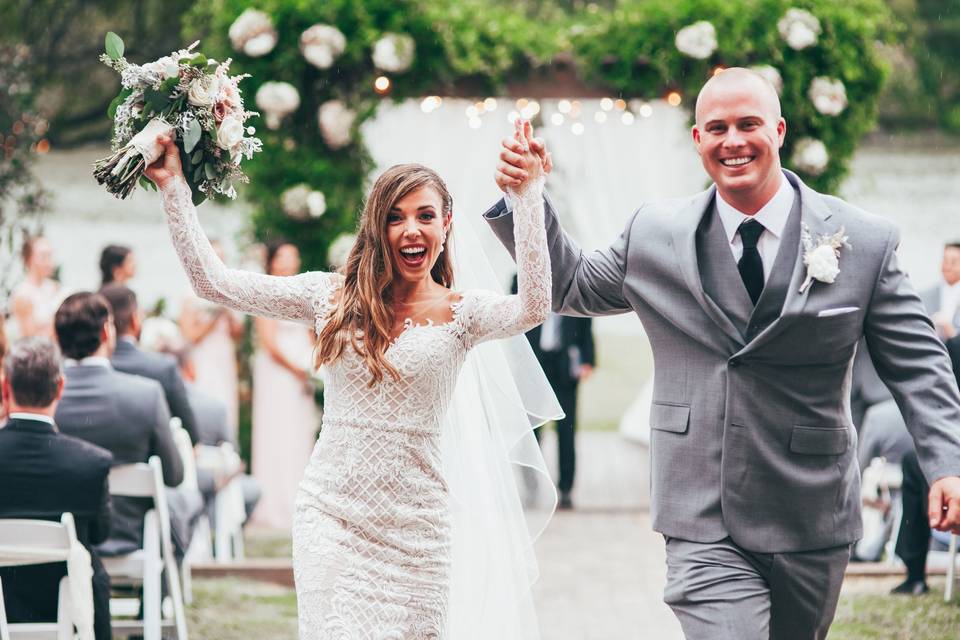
[(773, 216)]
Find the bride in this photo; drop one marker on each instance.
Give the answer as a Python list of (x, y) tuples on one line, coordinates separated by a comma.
[(375, 547)]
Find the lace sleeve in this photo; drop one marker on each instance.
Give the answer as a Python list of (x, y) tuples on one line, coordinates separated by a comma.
[(497, 316), (303, 298)]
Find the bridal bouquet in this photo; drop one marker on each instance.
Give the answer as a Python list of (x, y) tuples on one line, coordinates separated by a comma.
[(188, 96)]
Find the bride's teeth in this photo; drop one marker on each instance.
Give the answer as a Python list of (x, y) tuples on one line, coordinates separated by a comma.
[(733, 162)]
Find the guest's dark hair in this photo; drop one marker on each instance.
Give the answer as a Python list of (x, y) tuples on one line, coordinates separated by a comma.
[(952, 245), (123, 301), (78, 323), (111, 257), (26, 250), (34, 371), (273, 247)]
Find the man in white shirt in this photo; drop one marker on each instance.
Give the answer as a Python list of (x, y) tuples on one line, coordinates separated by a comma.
[(943, 300)]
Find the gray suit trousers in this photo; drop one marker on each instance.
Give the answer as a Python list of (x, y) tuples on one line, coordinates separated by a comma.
[(720, 591)]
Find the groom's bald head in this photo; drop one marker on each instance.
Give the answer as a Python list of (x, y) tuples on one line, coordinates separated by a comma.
[(737, 80)]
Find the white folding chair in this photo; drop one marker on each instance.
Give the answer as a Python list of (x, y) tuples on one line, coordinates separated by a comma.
[(200, 549), (27, 542), (230, 509), (951, 569), (145, 567)]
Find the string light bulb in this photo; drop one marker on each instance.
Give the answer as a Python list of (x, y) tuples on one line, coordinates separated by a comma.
[(674, 99), (382, 85)]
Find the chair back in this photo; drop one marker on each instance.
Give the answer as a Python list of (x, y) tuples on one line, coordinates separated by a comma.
[(25, 542)]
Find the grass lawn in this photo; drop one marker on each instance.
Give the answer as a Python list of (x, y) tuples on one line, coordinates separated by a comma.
[(868, 611), (231, 609)]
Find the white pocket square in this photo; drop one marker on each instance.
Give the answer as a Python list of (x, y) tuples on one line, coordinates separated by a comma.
[(839, 311)]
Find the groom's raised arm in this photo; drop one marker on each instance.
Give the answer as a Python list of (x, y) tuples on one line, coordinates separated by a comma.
[(584, 284)]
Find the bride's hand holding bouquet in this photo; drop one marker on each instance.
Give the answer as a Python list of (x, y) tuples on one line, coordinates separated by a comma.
[(185, 98)]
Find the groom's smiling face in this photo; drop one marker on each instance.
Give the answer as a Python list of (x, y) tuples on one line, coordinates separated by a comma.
[(738, 133)]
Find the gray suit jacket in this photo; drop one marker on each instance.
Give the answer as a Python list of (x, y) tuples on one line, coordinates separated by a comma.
[(751, 430), (211, 417), (126, 415), (162, 367)]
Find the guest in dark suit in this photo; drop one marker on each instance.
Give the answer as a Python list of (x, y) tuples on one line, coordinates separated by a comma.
[(45, 473), (913, 540), (123, 413), (130, 358), (564, 347)]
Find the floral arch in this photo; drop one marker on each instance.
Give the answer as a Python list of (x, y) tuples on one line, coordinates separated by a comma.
[(321, 67)]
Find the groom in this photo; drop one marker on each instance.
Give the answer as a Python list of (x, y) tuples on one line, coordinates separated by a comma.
[(754, 481)]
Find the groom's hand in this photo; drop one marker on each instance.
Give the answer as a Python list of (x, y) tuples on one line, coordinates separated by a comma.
[(944, 504), (511, 168)]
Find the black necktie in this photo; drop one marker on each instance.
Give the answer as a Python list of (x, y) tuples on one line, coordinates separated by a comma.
[(750, 265)]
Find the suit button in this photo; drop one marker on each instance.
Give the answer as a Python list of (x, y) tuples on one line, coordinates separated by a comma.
[(734, 363)]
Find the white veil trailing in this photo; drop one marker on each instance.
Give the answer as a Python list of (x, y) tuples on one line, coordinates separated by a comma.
[(501, 494)]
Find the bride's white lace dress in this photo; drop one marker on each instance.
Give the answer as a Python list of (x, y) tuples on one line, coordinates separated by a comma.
[(371, 534)]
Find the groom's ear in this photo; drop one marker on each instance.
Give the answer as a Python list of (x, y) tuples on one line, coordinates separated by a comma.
[(782, 131), (695, 132)]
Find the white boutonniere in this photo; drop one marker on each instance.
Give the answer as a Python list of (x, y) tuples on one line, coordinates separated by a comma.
[(822, 257)]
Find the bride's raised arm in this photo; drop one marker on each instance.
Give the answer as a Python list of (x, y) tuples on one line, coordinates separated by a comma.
[(297, 298), (497, 316)]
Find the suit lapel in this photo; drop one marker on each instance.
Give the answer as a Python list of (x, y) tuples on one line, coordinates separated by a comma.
[(685, 244), (814, 216)]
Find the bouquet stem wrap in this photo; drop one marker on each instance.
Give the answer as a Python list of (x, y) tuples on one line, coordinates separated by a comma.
[(121, 171)]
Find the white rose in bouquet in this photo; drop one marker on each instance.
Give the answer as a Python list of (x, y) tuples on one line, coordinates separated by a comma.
[(321, 44), (810, 156), (253, 33), (336, 120), (277, 100), (799, 28), (230, 133), (828, 95), (203, 91), (698, 40), (394, 52), (771, 75), (158, 333), (340, 249), (164, 68)]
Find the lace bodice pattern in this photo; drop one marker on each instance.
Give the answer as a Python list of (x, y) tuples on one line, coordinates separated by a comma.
[(371, 535)]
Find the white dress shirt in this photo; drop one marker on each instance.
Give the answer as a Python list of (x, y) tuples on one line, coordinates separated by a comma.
[(98, 361), (23, 415), (949, 300), (773, 216)]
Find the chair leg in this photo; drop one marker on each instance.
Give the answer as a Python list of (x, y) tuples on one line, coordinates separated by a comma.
[(4, 631), (152, 575), (64, 620), (173, 583), (951, 570)]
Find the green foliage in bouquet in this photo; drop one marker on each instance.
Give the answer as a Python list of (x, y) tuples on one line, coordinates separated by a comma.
[(308, 184)]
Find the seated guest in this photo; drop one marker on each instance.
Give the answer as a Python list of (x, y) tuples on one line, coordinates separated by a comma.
[(117, 265), (43, 474), (214, 430), (125, 414), (130, 358)]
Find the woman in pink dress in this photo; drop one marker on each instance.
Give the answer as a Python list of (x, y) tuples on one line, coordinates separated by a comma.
[(285, 417), (35, 300), (212, 331)]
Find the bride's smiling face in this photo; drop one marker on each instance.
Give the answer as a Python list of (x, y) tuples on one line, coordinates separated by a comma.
[(416, 231)]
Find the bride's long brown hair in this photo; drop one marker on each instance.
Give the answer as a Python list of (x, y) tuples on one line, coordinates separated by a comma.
[(363, 317)]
